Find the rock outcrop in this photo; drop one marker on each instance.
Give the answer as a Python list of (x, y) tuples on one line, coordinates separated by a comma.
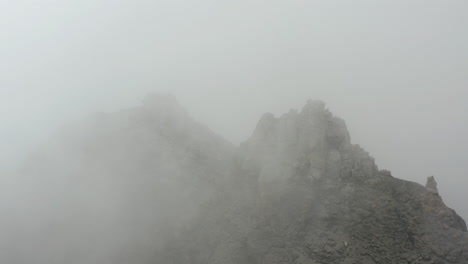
[(431, 185), (310, 196)]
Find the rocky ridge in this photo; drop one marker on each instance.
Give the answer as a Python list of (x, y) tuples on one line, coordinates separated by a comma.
[(308, 195), (151, 185)]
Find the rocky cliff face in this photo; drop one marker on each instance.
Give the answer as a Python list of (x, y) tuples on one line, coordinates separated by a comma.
[(310, 196), (150, 185)]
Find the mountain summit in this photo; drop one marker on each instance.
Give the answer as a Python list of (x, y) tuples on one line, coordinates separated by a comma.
[(310, 196), (151, 185)]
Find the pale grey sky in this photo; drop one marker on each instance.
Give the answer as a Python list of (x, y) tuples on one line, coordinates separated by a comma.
[(396, 71)]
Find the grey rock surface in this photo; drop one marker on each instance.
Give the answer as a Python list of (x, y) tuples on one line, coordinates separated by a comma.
[(310, 196), (151, 185), (431, 185)]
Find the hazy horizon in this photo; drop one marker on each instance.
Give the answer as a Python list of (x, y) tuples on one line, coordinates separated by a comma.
[(395, 71)]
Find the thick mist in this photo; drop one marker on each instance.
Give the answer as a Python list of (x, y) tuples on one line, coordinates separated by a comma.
[(394, 70)]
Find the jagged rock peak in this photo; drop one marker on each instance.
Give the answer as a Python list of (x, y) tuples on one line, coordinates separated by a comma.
[(266, 121), (299, 144), (314, 105), (431, 185), (313, 121), (309, 196), (163, 109), (164, 104)]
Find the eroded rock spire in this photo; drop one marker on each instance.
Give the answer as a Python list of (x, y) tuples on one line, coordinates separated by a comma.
[(431, 185)]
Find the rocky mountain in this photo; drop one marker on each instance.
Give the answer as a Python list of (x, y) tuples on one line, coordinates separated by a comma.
[(310, 196), (151, 185)]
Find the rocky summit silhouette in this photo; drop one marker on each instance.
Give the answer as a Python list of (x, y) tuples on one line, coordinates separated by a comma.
[(304, 194), (151, 185)]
